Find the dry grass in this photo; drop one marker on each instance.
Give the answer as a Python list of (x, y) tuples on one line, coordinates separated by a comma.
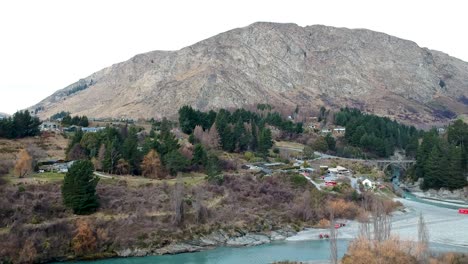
[(288, 144)]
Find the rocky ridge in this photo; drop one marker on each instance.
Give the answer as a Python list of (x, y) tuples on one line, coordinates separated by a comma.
[(281, 64)]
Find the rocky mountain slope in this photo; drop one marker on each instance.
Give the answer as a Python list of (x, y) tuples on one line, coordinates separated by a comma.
[(280, 64)]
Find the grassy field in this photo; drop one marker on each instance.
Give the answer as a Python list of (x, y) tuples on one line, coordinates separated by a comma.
[(37, 178), (190, 179), (287, 144)]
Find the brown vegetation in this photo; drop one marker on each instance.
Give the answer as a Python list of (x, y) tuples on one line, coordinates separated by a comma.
[(151, 165), (23, 165), (151, 215)]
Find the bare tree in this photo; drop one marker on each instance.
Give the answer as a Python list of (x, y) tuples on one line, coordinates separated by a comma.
[(213, 138), (178, 203), (201, 211), (381, 221), (198, 133), (101, 157), (364, 227), (423, 239), (333, 238)]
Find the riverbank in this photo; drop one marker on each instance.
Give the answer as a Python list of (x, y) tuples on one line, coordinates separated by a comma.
[(239, 238)]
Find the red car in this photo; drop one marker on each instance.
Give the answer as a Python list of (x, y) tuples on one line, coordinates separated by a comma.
[(463, 210)]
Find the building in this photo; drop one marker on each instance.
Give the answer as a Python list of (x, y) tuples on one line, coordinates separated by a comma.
[(339, 131), (92, 129), (49, 126), (325, 131), (368, 184), (330, 181)]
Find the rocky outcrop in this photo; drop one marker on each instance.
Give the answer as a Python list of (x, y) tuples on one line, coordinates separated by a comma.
[(280, 64), (215, 239)]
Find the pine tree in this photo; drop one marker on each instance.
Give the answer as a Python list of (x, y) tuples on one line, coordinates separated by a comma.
[(130, 151), (79, 188), (213, 169), (199, 155), (265, 141), (433, 170), (456, 179), (175, 162)]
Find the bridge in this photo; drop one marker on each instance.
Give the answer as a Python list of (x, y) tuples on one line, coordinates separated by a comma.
[(383, 164)]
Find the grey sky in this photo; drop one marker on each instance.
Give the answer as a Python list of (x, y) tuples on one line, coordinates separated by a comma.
[(46, 45)]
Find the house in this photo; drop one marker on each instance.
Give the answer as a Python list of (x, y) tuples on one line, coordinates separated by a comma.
[(367, 183), (441, 130), (341, 170), (92, 129), (49, 126), (325, 131), (339, 131)]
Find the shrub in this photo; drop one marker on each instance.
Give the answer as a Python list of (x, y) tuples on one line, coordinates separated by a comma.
[(298, 180)]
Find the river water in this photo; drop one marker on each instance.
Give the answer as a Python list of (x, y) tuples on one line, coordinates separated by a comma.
[(267, 253)]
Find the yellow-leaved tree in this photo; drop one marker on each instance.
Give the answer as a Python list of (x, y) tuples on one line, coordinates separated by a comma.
[(23, 164)]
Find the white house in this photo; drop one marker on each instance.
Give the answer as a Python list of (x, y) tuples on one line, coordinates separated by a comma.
[(368, 183), (92, 129), (339, 130), (49, 126)]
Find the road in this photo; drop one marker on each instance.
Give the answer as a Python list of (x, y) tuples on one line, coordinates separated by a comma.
[(326, 156), (102, 175)]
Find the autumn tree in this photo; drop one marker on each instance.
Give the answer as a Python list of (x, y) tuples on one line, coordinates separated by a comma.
[(123, 167), (79, 188), (151, 165), (23, 164), (84, 240)]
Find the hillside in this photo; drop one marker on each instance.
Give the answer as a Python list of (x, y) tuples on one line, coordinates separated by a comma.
[(280, 64)]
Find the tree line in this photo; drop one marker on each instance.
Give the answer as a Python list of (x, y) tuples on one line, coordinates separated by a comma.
[(442, 160), (377, 135), (125, 150), (20, 125), (238, 131)]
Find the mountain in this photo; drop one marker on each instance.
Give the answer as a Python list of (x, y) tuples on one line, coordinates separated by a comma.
[(280, 64)]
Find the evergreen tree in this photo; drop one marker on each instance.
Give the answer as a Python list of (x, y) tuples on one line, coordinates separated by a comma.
[(199, 155), (213, 169), (175, 162), (434, 169), (21, 125), (254, 137), (456, 178), (79, 188), (331, 142), (264, 141), (130, 151)]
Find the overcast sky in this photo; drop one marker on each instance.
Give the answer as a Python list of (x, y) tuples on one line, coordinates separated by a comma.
[(46, 45)]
